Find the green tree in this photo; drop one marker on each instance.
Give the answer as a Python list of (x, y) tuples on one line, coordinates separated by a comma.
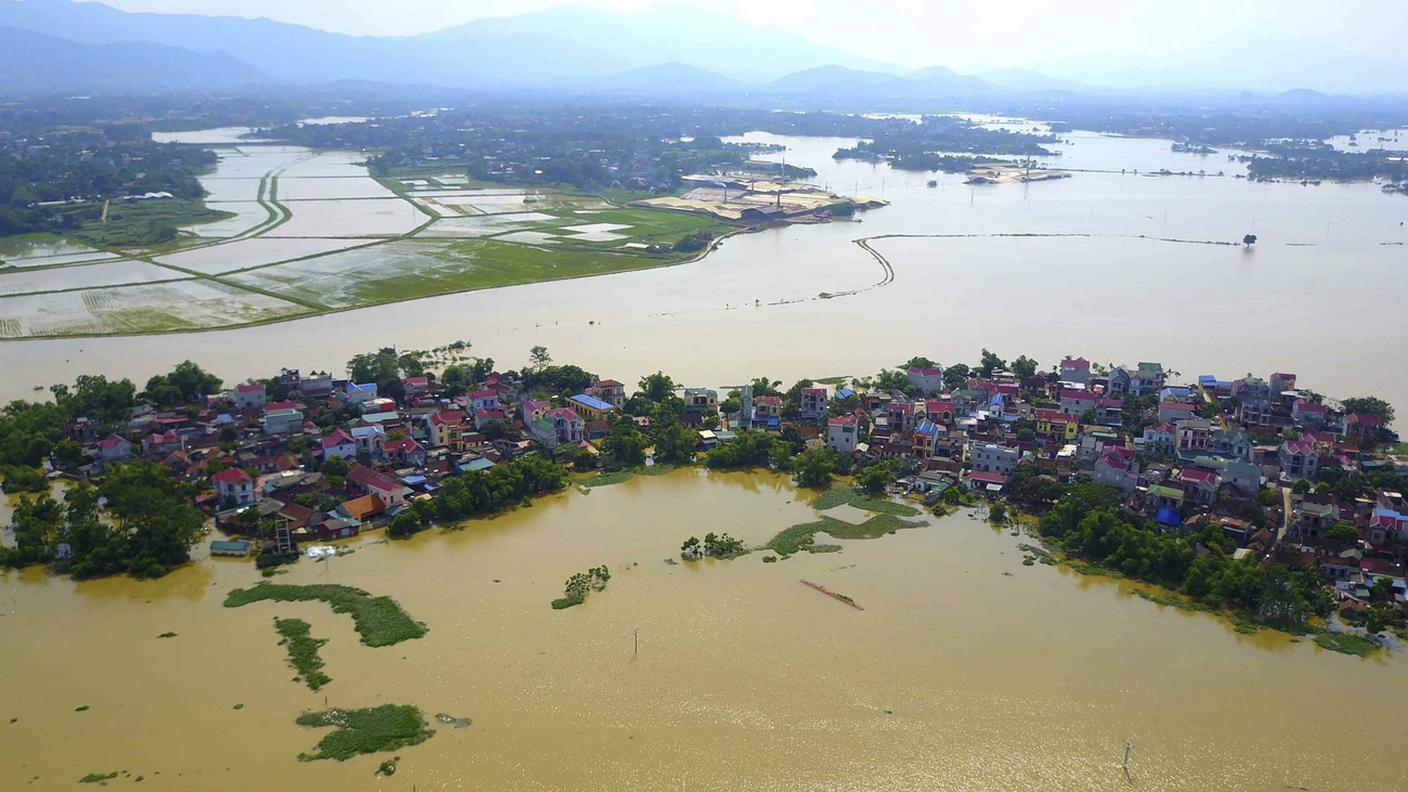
[(1343, 534), (813, 467), (956, 376), (185, 384), (990, 362), (657, 387), (873, 479), (152, 510), (539, 358), (404, 524), (1372, 405), (624, 446), (1024, 367)]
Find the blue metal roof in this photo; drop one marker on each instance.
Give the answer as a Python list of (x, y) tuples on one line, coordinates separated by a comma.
[(592, 402)]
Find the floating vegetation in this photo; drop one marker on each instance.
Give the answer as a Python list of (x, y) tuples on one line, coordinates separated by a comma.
[(83, 708), (239, 706), (1346, 643), (580, 584), (98, 778), (167, 635), (451, 720), (303, 651), (362, 731), (379, 620), (803, 537), (847, 495), (1034, 554), (388, 767)]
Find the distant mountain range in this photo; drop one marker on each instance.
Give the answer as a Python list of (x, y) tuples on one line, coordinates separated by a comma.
[(663, 51)]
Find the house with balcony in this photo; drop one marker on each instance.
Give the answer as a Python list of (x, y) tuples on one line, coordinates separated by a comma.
[(814, 402), (1147, 378), (233, 487), (609, 391), (1199, 486), (359, 394), (1194, 435), (370, 440), (1299, 459), (1309, 414), (699, 402), (1254, 396)]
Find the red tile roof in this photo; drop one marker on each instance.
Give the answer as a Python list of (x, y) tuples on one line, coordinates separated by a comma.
[(230, 476)]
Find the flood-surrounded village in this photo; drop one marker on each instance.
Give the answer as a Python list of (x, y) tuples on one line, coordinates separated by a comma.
[(667, 405)]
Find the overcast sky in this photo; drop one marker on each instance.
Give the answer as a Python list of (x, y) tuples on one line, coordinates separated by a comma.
[(963, 34)]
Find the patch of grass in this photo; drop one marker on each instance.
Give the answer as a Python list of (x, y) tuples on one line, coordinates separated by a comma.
[(562, 603), (83, 708), (1346, 643), (303, 651), (379, 620), (803, 537), (97, 778), (239, 707), (885, 507), (830, 380), (836, 495), (1033, 554), (362, 731), (167, 635), (1169, 599)]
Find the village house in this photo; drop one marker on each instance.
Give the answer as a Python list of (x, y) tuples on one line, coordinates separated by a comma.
[(1174, 411), (249, 396), (487, 399), (1057, 425), (406, 451), (233, 487), (591, 408), (993, 458), (928, 380), (1309, 414), (609, 391), (1281, 381), (318, 384), (843, 434), (1118, 468), (1298, 459), (370, 440), (814, 402), (339, 445), (1075, 370), (115, 448), (924, 441), (1199, 486), (445, 428), (1158, 440), (765, 407), (360, 393), (699, 402), (1077, 402), (1194, 435), (1147, 378), (1255, 397), (1313, 518), (414, 387), (282, 421)]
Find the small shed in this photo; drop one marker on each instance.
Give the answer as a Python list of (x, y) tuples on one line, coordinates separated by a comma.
[(235, 548)]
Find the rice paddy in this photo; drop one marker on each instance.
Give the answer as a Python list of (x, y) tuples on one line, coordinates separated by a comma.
[(290, 232)]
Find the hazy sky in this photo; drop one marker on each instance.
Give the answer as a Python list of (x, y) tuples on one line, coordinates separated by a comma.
[(963, 34)]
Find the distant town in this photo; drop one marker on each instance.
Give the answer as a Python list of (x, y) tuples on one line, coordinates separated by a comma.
[(1256, 472)]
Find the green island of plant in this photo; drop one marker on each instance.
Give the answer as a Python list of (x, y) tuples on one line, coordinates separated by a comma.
[(303, 651), (379, 620), (362, 731)]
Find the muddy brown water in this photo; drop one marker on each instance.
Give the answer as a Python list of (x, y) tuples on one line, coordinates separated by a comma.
[(957, 675)]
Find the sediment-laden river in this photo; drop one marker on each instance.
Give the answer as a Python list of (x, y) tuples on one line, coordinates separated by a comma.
[(965, 671), (1109, 264)]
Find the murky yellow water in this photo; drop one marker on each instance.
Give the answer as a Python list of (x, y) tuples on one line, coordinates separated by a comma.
[(955, 676)]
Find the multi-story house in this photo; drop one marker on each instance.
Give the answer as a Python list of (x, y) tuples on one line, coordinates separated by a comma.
[(843, 433), (814, 402), (992, 458)]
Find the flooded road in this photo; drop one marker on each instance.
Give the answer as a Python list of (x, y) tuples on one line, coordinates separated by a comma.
[(965, 670), (1128, 280)]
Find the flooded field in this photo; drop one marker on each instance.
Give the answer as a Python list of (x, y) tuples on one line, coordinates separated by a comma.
[(965, 670), (965, 282)]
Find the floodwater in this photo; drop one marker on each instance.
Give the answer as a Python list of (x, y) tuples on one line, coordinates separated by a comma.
[(965, 670), (1315, 295)]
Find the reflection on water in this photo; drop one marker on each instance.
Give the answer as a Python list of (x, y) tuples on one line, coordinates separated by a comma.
[(966, 670)]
